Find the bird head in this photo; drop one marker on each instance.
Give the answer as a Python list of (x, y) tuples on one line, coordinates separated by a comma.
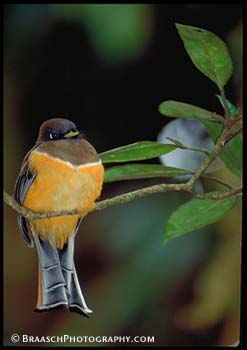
[(57, 129)]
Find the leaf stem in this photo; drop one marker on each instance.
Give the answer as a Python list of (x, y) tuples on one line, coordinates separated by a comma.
[(189, 148), (223, 95)]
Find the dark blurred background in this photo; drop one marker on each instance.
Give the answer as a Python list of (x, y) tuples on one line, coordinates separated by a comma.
[(107, 68)]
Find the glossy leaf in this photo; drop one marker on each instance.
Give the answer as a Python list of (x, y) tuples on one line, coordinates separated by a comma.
[(177, 109), (136, 151), (141, 171), (195, 214), (232, 154), (213, 129), (208, 53)]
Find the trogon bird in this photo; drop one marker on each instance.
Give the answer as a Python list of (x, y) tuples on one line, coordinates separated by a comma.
[(61, 172)]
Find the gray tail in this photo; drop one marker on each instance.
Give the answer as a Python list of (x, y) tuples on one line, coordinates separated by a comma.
[(58, 282), (76, 300)]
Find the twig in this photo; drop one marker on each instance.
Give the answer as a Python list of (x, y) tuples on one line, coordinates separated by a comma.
[(219, 196), (130, 196), (211, 157)]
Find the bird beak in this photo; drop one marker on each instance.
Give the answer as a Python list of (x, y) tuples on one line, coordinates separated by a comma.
[(71, 134)]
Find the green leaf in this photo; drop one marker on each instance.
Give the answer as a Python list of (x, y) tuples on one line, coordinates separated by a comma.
[(136, 151), (177, 109), (141, 171), (233, 110), (213, 129), (208, 53), (195, 214), (232, 153)]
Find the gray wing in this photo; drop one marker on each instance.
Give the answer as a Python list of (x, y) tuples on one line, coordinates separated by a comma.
[(23, 183), (22, 186)]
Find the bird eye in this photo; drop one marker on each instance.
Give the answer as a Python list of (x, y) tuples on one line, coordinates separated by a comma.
[(53, 136)]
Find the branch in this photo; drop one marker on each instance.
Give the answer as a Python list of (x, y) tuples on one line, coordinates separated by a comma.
[(29, 214), (130, 196), (120, 199)]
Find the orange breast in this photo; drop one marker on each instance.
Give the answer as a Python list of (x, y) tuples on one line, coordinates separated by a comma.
[(61, 186)]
